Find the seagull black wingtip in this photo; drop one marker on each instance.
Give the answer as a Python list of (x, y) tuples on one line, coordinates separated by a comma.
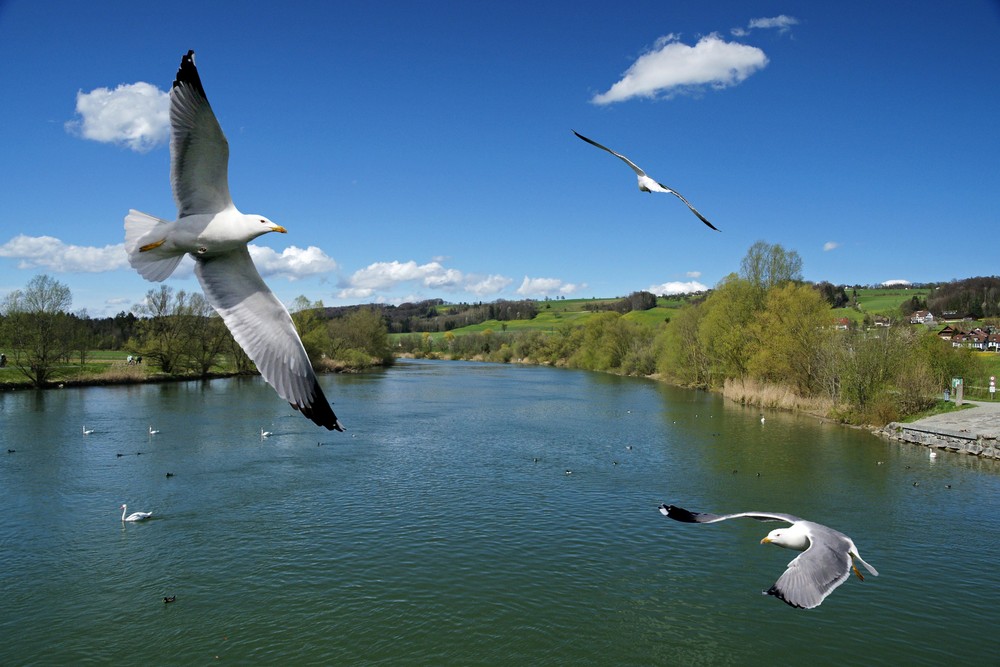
[(187, 73)]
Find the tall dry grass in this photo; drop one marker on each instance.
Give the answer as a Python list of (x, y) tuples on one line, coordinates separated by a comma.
[(762, 394)]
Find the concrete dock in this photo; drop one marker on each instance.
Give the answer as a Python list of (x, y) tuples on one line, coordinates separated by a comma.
[(973, 431)]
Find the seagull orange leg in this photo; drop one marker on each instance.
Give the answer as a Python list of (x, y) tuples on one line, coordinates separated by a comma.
[(855, 568), (150, 246)]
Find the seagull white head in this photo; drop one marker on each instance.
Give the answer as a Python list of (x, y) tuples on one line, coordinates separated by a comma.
[(267, 225), (792, 537)]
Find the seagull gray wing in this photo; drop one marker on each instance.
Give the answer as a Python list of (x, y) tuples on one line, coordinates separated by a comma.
[(686, 516), (635, 167), (264, 329), (199, 152), (816, 572), (688, 204)]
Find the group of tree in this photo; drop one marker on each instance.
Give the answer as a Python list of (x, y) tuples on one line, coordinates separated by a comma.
[(174, 331), (358, 338), (763, 324), (977, 298), (642, 300), (433, 315)]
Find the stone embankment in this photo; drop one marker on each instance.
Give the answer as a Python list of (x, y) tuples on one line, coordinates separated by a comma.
[(973, 431)]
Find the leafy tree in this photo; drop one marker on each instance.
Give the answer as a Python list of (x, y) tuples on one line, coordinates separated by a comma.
[(791, 331), (725, 333), (835, 295), (312, 328), (39, 329), (363, 331), (681, 354)]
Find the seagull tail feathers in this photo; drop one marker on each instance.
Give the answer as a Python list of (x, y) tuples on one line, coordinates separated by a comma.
[(151, 264)]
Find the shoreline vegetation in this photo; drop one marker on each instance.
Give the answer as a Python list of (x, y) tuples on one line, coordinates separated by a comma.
[(762, 337)]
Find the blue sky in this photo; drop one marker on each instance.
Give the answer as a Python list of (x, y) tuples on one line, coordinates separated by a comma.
[(423, 150)]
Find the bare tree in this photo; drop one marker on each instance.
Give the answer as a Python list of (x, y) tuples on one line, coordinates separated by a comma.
[(768, 265), (39, 328)]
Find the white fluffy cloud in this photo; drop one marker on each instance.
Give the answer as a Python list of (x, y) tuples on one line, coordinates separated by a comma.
[(536, 287), (384, 276), (898, 282), (674, 67), (677, 287), (292, 263), (135, 115), (48, 252), (830, 245)]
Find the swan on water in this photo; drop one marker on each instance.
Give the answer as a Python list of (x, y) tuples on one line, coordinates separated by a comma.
[(134, 516)]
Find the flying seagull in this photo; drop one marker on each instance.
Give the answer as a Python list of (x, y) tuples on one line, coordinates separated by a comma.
[(215, 233), (826, 561), (646, 184)]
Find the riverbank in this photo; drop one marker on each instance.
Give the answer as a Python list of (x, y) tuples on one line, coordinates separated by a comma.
[(117, 379), (974, 431)]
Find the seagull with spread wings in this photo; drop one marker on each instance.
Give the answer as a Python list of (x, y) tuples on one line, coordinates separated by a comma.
[(646, 184), (215, 233), (826, 561)]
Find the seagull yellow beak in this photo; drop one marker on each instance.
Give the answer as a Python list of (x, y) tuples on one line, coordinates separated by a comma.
[(279, 228), (766, 540)]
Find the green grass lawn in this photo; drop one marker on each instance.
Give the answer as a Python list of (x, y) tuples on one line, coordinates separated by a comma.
[(100, 365)]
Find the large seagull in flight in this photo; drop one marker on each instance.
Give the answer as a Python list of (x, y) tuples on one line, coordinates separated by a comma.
[(827, 559), (215, 233), (646, 184)]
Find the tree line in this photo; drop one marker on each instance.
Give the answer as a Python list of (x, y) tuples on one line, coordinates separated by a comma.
[(175, 331), (763, 324)]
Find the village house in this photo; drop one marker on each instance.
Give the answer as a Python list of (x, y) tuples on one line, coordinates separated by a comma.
[(922, 317)]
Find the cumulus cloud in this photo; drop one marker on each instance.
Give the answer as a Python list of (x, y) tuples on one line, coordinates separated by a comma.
[(384, 276), (292, 263), (830, 245), (135, 115), (671, 67), (535, 287), (898, 282), (677, 287), (52, 254)]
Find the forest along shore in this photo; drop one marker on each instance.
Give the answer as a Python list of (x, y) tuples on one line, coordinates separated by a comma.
[(972, 431)]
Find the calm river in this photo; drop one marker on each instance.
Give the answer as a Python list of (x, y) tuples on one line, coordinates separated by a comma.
[(444, 529)]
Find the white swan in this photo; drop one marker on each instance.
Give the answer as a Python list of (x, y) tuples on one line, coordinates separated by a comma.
[(264, 434), (134, 516), (87, 431), (152, 431)]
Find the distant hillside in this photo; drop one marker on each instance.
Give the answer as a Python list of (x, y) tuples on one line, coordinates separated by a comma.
[(436, 316), (973, 297)]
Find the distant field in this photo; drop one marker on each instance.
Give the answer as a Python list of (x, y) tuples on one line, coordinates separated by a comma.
[(878, 300)]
